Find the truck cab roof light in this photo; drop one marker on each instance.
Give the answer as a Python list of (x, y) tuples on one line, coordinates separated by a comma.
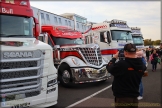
[(115, 22), (135, 28), (106, 21), (23, 3), (118, 22)]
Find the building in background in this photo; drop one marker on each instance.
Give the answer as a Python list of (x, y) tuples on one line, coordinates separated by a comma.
[(79, 21), (89, 22), (72, 20)]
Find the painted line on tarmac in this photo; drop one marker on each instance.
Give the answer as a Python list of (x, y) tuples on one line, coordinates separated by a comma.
[(72, 105)]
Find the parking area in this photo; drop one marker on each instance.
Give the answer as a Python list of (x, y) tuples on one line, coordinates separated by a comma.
[(101, 95)]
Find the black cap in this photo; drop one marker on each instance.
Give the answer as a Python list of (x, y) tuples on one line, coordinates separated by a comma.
[(130, 47)]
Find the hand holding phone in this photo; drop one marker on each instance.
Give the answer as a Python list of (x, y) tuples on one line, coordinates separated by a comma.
[(116, 55)]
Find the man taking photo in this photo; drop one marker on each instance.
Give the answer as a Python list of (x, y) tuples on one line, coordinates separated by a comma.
[(127, 76)]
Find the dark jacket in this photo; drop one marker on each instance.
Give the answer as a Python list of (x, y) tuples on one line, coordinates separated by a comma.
[(147, 53), (155, 59), (152, 51), (127, 76), (160, 52)]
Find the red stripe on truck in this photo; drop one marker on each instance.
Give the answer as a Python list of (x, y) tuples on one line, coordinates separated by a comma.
[(109, 51)]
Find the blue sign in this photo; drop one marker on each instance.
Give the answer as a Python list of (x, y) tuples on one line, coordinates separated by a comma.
[(121, 44)]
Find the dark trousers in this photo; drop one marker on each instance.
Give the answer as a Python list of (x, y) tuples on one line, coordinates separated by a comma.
[(147, 58), (126, 102), (154, 66)]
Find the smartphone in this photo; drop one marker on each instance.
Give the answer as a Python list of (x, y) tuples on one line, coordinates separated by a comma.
[(121, 54)]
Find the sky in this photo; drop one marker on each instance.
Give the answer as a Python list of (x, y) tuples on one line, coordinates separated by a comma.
[(143, 14)]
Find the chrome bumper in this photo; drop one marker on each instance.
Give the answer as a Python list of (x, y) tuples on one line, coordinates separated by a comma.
[(85, 75)]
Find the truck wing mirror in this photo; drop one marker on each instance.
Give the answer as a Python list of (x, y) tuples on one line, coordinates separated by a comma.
[(105, 40), (108, 37), (46, 37), (105, 37), (36, 28)]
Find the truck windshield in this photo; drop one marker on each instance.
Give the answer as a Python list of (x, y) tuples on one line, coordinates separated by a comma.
[(66, 41), (16, 26), (121, 35), (138, 40)]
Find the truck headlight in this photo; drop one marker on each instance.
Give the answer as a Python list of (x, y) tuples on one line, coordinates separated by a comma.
[(106, 60), (52, 82), (75, 61)]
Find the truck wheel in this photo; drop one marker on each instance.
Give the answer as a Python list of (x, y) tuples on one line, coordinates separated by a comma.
[(65, 75)]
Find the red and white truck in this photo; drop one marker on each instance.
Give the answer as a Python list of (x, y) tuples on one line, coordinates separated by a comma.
[(27, 73), (75, 61), (111, 36)]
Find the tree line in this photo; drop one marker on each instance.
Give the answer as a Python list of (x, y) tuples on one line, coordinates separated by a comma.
[(148, 42)]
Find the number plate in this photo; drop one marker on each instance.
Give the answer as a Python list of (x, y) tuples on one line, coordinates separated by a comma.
[(20, 96), (21, 105)]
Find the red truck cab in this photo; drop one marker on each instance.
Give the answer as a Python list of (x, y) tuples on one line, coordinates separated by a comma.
[(18, 15)]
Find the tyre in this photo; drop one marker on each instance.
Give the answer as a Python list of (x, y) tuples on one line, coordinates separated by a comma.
[(65, 76), (103, 81)]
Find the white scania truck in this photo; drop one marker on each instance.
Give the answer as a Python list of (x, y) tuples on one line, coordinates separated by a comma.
[(27, 73)]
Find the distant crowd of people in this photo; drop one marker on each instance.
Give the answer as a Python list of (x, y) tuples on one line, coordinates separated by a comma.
[(154, 56)]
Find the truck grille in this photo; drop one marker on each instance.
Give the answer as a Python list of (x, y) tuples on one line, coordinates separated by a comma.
[(18, 74), (93, 56), (21, 64), (12, 97), (17, 82), (14, 84), (21, 76)]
